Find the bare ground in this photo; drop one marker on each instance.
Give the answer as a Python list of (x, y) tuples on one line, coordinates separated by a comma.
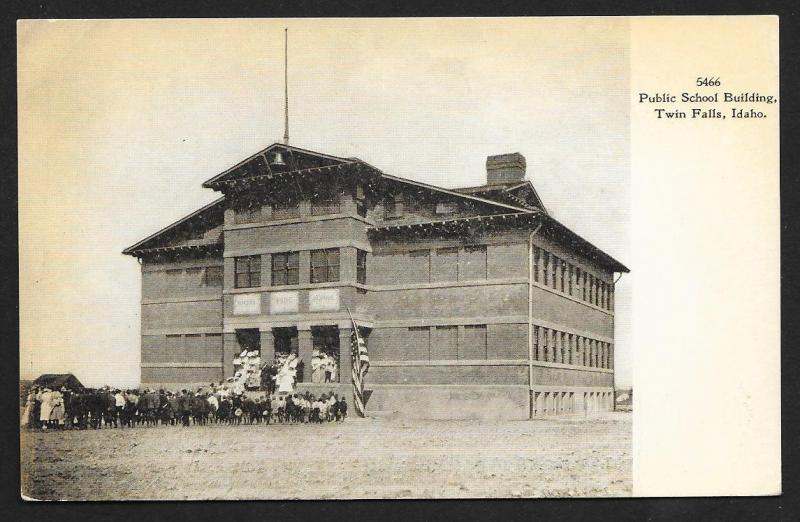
[(361, 458)]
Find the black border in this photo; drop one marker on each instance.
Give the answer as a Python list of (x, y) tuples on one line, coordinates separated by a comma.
[(784, 507)]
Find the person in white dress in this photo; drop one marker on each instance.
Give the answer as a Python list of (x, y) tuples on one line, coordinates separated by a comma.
[(47, 407), (30, 402)]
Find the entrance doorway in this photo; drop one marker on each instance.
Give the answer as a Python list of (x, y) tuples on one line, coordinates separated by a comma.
[(246, 364), (249, 339), (286, 343), (325, 354)]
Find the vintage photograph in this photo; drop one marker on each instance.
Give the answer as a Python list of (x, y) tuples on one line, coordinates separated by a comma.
[(325, 259)]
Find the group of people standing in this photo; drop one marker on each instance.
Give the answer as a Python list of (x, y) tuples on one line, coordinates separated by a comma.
[(217, 404), (46, 408)]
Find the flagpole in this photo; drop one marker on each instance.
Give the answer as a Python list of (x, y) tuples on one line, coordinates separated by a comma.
[(286, 85)]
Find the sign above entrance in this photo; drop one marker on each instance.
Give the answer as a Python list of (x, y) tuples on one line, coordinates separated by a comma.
[(323, 300), (283, 302), (246, 304)]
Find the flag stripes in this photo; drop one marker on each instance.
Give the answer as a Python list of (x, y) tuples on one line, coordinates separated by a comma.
[(360, 358)]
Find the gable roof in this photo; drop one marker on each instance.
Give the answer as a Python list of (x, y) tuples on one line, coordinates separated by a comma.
[(520, 193), (57, 380), (260, 163), (215, 205), (257, 166)]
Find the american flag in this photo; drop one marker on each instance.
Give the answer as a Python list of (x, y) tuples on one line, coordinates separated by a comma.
[(360, 358)]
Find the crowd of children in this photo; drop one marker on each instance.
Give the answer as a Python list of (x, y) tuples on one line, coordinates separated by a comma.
[(216, 404)]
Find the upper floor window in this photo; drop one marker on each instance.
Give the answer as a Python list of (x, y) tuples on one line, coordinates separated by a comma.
[(247, 214), (286, 209), (325, 265), (323, 204), (393, 207), (361, 267), (213, 276), (446, 207), (247, 271), (285, 268)]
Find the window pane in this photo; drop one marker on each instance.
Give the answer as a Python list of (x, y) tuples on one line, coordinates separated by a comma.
[(214, 276), (333, 273), (317, 258)]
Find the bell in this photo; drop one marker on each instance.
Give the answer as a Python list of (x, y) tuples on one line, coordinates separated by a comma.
[(278, 159)]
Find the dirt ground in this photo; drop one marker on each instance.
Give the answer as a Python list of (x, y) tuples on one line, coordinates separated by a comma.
[(360, 458)]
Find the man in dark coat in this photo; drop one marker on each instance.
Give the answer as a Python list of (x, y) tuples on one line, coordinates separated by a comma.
[(185, 406), (77, 410), (342, 409)]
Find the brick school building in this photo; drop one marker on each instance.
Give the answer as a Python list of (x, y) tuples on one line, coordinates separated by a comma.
[(473, 302)]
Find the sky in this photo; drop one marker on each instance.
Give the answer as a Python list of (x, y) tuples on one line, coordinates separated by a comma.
[(120, 122)]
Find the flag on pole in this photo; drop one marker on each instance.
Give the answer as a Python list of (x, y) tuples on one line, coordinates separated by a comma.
[(360, 358)]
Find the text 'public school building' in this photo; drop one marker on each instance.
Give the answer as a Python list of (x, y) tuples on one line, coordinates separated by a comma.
[(473, 301)]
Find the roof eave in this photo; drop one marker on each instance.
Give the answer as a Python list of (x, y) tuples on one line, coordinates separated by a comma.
[(132, 249)]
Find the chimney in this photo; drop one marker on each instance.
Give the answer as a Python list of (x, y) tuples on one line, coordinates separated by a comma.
[(505, 168)]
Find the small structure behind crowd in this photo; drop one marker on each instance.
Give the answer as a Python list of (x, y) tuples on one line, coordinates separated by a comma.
[(56, 381)]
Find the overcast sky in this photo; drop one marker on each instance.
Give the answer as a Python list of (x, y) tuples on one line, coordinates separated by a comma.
[(121, 121)]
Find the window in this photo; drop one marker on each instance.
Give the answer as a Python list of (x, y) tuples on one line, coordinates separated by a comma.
[(446, 207), (554, 262), (585, 285), (247, 271), (213, 276), (323, 204), (536, 262), (420, 271), (325, 265), (393, 207), (361, 208), (444, 343), (285, 209), (174, 272), (472, 263), (563, 275), (545, 344), (247, 214), (361, 201), (285, 268), (413, 203), (361, 266), (569, 278), (417, 345), (444, 266), (472, 345)]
